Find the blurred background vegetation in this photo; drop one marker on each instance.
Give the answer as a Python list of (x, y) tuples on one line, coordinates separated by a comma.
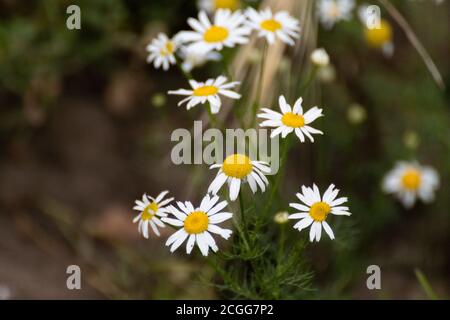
[(84, 129)]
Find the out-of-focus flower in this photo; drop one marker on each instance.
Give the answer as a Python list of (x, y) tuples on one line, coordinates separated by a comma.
[(207, 92), (158, 100), (152, 209), (409, 181), (291, 119), (356, 114), (237, 169), (281, 217), (380, 38), (320, 58), (271, 26), (162, 51), (194, 58), (332, 11), (378, 34), (326, 74), (315, 209), (227, 30), (411, 139), (198, 224), (211, 6)]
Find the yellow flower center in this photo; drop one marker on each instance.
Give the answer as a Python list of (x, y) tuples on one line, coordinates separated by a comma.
[(168, 49), (205, 91), (411, 179), (226, 4), (196, 222), (215, 34), (237, 166), (379, 37), (271, 25), (149, 211), (293, 120), (319, 211)]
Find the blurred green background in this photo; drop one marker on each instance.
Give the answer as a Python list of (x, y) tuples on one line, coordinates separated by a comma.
[(84, 131)]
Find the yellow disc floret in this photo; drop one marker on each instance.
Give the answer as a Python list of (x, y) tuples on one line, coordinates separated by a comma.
[(271, 25), (411, 179), (226, 4), (168, 49), (378, 37), (149, 211), (215, 34), (237, 166), (319, 211), (196, 222), (293, 120), (205, 91)]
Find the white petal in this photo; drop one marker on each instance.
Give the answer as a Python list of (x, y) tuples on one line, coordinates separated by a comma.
[(202, 244), (234, 188), (328, 230), (224, 233), (220, 217), (190, 243)]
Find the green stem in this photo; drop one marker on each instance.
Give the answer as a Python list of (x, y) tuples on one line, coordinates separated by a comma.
[(274, 189), (426, 286), (309, 80), (242, 207), (243, 225), (258, 96)]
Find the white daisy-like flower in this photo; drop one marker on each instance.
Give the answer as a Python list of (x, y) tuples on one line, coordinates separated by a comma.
[(409, 181), (237, 169), (207, 91), (211, 6), (320, 58), (162, 51), (291, 119), (332, 11), (152, 209), (271, 26), (227, 30), (193, 58), (198, 224), (315, 209)]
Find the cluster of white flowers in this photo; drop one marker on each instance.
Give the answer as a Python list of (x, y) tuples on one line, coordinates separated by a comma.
[(228, 28)]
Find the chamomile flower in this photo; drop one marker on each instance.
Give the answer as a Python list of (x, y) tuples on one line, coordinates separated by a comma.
[(211, 6), (207, 91), (410, 181), (237, 169), (377, 36), (162, 51), (197, 224), (271, 26), (314, 210), (193, 58), (291, 119), (151, 210), (227, 30), (332, 11)]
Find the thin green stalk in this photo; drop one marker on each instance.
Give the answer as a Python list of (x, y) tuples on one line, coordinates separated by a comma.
[(426, 286), (258, 96), (242, 207), (274, 189), (309, 80)]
